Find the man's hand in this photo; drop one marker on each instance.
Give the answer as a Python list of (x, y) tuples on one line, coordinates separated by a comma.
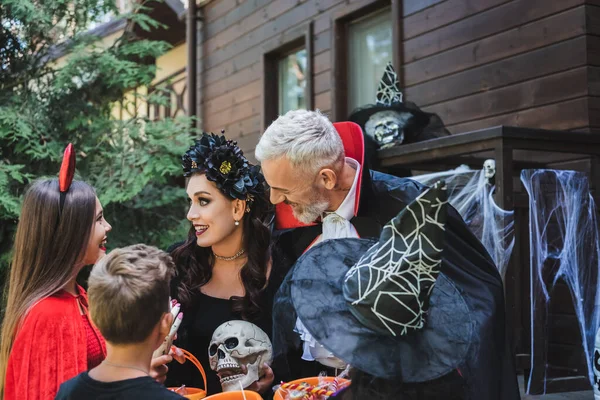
[(263, 384)]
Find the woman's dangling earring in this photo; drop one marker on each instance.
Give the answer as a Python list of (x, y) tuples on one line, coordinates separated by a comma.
[(237, 223)]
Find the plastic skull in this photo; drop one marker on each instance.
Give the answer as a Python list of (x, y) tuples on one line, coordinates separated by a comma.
[(237, 343), (489, 168), (387, 127)]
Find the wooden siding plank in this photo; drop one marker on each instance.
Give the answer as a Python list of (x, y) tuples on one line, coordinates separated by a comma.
[(237, 112), (559, 116), (323, 101), (443, 14), (322, 62), (525, 38), (322, 41), (559, 57), (233, 81), (244, 127), (529, 94), (233, 97), (322, 82), (248, 142), (499, 19), (323, 22)]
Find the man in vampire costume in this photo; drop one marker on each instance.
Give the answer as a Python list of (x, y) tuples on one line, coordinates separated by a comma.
[(323, 190)]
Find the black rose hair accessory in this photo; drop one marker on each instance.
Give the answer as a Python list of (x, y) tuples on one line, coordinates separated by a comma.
[(224, 163)]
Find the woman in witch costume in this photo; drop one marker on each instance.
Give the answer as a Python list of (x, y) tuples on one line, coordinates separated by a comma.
[(226, 269), (47, 336)]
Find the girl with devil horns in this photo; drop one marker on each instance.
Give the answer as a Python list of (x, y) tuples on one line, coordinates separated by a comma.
[(47, 335)]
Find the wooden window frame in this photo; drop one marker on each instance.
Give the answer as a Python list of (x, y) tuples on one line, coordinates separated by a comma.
[(339, 62), (300, 37)]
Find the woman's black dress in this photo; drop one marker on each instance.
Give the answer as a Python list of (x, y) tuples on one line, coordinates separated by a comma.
[(204, 315)]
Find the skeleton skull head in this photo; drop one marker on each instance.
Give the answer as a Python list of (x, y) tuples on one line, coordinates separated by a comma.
[(237, 343), (387, 127), (489, 168)]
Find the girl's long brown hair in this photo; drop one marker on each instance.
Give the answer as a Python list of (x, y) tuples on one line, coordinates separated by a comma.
[(48, 245)]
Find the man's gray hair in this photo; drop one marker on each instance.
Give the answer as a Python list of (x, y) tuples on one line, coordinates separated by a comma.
[(307, 138)]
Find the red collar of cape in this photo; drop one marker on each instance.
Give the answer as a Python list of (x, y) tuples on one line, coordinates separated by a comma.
[(354, 147)]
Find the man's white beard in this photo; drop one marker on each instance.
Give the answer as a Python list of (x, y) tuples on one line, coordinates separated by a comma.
[(308, 214)]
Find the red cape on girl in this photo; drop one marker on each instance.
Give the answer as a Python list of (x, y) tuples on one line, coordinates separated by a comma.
[(49, 348)]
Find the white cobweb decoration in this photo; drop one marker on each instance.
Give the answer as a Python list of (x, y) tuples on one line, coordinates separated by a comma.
[(470, 193), (402, 273), (564, 245)]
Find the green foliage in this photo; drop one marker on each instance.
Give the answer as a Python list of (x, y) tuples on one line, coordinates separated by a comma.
[(134, 164)]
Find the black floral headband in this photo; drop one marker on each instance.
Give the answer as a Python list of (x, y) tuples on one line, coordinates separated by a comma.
[(224, 163)]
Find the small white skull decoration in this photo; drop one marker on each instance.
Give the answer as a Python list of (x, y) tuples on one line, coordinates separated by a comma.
[(236, 343), (489, 169)]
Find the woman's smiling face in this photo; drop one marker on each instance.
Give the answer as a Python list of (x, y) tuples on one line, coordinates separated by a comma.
[(211, 212)]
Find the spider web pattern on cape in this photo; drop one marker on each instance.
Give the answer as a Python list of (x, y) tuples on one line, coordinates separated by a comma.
[(401, 269)]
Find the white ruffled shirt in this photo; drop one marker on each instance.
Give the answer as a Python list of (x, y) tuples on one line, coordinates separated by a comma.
[(336, 225)]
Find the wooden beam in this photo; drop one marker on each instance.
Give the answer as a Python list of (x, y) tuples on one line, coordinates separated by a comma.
[(192, 60)]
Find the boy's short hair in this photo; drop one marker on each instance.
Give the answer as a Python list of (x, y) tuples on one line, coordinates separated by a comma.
[(128, 291)]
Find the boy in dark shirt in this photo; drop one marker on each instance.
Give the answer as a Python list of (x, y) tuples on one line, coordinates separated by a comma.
[(129, 303)]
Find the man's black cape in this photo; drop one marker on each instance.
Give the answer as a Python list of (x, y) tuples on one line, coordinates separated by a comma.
[(489, 372)]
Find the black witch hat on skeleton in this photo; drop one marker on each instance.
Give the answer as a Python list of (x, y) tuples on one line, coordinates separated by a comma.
[(391, 121)]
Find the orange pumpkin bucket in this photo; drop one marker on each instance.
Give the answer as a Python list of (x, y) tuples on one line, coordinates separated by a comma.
[(194, 393), (313, 381), (236, 395)]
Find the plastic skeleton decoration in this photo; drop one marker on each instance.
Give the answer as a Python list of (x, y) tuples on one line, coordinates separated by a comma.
[(489, 169), (235, 344), (386, 127)]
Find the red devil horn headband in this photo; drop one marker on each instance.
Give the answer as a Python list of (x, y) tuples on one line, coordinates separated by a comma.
[(67, 171)]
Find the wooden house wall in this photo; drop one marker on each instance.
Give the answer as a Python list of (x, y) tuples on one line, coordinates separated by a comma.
[(533, 63)]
